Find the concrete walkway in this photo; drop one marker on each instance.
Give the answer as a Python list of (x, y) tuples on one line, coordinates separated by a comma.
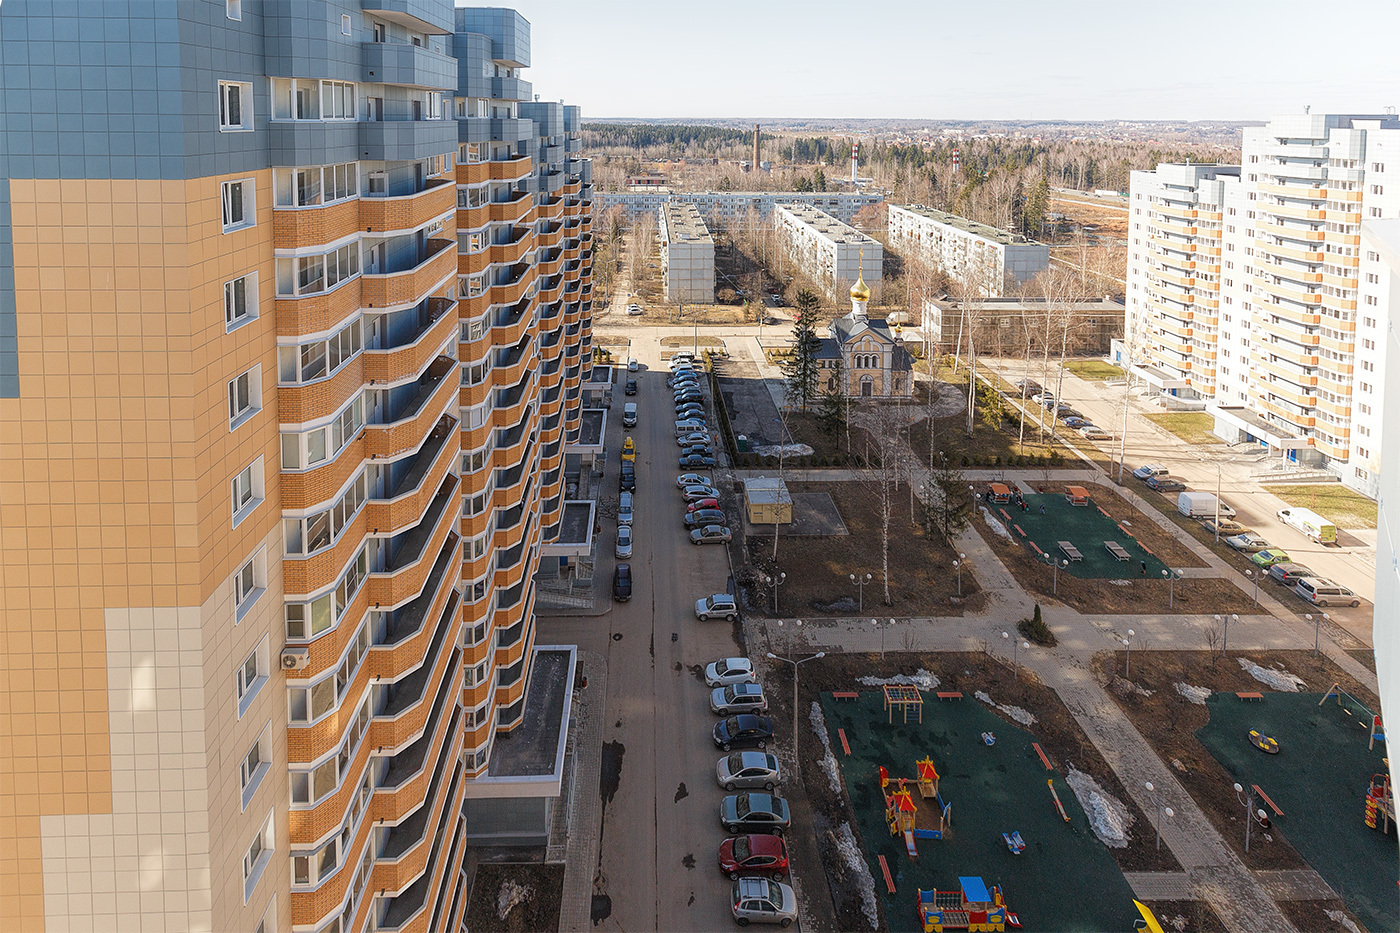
[(584, 818)]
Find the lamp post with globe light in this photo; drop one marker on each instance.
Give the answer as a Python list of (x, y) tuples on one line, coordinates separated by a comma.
[(1156, 801), (958, 566), (1128, 649), (1016, 647), (1246, 798), (795, 663), (860, 580), (775, 582)]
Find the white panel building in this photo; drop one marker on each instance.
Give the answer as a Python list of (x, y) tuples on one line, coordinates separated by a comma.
[(829, 251), (727, 207), (965, 249), (687, 254)]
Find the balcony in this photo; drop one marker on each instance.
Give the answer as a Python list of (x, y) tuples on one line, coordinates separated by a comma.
[(511, 211), (418, 15), (407, 548), (415, 478), (499, 129), (404, 631), (407, 211), (407, 416), (404, 785), (313, 142), (474, 173), (412, 338), (511, 89), (405, 853), (395, 725), (415, 280), (404, 135), (411, 65)]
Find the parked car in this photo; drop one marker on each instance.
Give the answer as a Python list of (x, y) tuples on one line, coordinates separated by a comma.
[(1165, 483), (746, 730), (692, 479), (703, 450), (1030, 387), (632, 365), (629, 449), (696, 460), (630, 388), (1063, 410), (622, 582), (759, 900), (1076, 422), (623, 549), (1247, 541), (1289, 573), (709, 534), (696, 493), (634, 310), (738, 698), (687, 425), (692, 410), (759, 854), (682, 358), (729, 671), (1321, 592), (754, 812), (687, 395), (699, 504), (627, 479), (1269, 556), (720, 605), (748, 770), (1150, 469), (1227, 527), (624, 508), (694, 437), (700, 518), (1041, 398), (1091, 432)]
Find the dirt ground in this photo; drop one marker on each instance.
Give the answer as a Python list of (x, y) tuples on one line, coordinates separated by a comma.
[(1169, 723), (1312, 915), (818, 568), (1186, 916), (1056, 731), (538, 912)]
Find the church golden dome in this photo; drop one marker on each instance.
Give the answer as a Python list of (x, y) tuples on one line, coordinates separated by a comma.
[(860, 291)]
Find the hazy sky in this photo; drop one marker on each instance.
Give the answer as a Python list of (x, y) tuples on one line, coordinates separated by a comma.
[(977, 59)]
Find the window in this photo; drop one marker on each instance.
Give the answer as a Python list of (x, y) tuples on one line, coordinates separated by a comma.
[(337, 99), (309, 275), (233, 9), (252, 674), (380, 35), (266, 925), (249, 583), (345, 24), (244, 397), (236, 198), (256, 858), (321, 184), (301, 451), (254, 765), (312, 361), (235, 106), (246, 489), (240, 301)]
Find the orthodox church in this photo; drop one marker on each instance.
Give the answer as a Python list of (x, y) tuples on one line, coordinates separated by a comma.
[(864, 355)]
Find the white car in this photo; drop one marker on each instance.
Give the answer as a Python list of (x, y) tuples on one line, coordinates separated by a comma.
[(623, 551), (634, 310), (719, 605), (1092, 432), (624, 508), (632, 366), (728, 671), (692, 479)]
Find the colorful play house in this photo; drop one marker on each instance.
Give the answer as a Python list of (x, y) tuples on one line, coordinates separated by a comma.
[(1380, 804), (972, 907)]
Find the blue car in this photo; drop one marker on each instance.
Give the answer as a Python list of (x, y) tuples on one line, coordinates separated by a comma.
[(695, 460)]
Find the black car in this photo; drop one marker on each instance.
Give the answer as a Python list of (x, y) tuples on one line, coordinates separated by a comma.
[(686, 412), (630, 388), (700, 450), (1165, 484), (627, 481), (696, 460), (622, 583), (1027, 386), (747, 730)]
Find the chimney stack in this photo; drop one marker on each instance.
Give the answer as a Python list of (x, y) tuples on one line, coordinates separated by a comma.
[(755, 147)]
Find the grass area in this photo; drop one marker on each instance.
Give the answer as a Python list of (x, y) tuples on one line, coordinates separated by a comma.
[(1093, 369), (1193, 427), (1331, 500), (996, 432)]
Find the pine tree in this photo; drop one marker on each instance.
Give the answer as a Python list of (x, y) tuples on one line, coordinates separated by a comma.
[(954, 511), (831, 415), (819, 179), (800, 369)]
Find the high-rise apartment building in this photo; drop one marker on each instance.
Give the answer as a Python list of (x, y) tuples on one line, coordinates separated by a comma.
[(1279, 338), (274, 464)]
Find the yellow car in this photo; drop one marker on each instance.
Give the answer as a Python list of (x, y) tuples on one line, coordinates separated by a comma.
[(629, 450)]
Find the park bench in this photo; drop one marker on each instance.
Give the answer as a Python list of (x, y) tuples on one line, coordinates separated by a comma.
[(844, 695), (1249, 695), (1265, 797), (949, 695), (1117, 550)]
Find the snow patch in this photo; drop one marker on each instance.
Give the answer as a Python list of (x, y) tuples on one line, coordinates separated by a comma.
[(998, 528), (923, 680), (511, 894), (783, 450), (1279, 680), (1015, 712), (850, 854), (828, 763), (1108, 817), (1338, 916), (1197, 695)]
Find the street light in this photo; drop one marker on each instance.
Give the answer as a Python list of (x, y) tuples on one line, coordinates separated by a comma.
[(775, 582), (876, 623), (1219, 465), (958, 566), (1156, 800), (1128, 657), (1247, 799), (1317, 627), (1255, 577), (1055, 590), (774, 657), (860, 582), (1170, 576), (1016, 647)]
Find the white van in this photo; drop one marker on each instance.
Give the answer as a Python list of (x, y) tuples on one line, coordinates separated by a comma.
[(1310, 523), (689, 426), (1322, 592), (1202, 505), (629, 415)]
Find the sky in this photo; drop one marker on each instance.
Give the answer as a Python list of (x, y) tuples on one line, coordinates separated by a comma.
[(977, 59)]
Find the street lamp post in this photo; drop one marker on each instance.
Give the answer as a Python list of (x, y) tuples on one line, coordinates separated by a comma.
[(1055, 589), (1255, 577), (795, 663), (860, 582), (1156, 800), (796, 632), (1128, 655), (1016, 647), (775, 582), (876, 623), (1317, 621), (1246, 798), (958, 566)]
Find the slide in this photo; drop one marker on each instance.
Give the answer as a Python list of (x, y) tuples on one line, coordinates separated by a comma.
[(909, 844)]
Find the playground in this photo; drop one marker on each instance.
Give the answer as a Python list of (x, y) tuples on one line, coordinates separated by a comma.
[(977, 816)]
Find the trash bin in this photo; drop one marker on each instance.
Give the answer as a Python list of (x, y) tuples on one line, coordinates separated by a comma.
[(743, 443)]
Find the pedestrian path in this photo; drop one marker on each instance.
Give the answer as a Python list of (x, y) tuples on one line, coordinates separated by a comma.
[(584, 817)]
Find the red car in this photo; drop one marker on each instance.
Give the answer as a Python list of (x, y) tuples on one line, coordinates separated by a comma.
[(753, 855), (701, 504)]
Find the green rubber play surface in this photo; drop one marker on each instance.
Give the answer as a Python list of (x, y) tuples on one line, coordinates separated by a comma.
[(1319, 779), (1084, 527), (1066, 880)]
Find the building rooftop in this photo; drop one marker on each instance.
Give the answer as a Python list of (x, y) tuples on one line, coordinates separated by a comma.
[(826, 225), (591, 425), (535, 748), (681, 220), (994, 234)]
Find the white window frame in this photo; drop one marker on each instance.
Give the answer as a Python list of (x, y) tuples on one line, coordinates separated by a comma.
[(257, 856), (249, 583), (246, 491), (345, 24), (250, 301), (240, 415), (247, 204), (245, 107), (250, 779), (251, 676), (233, 9)]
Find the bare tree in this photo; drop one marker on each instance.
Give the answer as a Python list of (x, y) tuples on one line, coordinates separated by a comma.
[(883, 429)]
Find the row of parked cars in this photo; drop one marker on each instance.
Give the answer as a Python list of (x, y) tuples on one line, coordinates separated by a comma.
[(704, 518), (1271, 560), (1071, 419), (754, 855)]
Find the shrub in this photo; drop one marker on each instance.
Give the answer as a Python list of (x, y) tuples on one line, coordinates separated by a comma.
[(1035, 630)]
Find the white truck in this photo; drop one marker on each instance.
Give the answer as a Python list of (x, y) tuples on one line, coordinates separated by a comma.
[(1202, 505), (1309, 523)]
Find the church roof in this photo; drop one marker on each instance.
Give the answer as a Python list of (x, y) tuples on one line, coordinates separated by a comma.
[(828, 349), (847, 327), (903, 360)]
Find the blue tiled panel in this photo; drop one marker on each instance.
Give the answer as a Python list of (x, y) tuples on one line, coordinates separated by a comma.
[(9, 345), (509, 32)]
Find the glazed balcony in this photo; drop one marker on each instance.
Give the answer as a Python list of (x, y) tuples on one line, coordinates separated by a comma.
[(414, 280), (406, 135), (408, 418), (316, 314), (383, 214), (405, 634), (407, 65), (404, 786), (412, 339), (422, 475)]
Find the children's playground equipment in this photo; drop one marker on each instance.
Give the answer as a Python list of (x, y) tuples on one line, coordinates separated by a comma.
[(1264, 743), (1014, 842), (1148, 921), (972, 907), (904, 697), (902, 812), (1380, 804), (988, 738), (1370, 719), (1050, 782)]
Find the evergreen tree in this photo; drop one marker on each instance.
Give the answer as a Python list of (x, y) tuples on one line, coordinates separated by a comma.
[(819, 180), (953, 513), (831, 415), (803, 184), (800, 369)]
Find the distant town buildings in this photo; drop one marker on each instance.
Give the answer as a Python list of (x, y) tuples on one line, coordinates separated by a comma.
[(972, 254), (1252, 295), (687, 254), (829, 251), (727, 207)]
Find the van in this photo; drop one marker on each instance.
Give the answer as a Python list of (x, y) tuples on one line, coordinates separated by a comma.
[(629, 415), (1202, 505), (689, 425), (1322, 592), (1310, 523)]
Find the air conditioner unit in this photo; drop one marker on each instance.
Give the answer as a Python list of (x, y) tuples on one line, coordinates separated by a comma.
[(295, 659)]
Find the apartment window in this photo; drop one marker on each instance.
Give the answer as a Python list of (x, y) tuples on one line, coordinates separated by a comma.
[(235, 106), (301, 451), (337, 99), (1372, 278), (236, 198), (310, 187), (249, 583), (345, 24), (255, 764), (268, 923), (309, 275), (244, 397), (1372, 300), (309, 362), (240, 301), (256, 858), (378, 183), (1369, 321), (252, 674), (1375, 212), (246, 489), (233, 9)]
